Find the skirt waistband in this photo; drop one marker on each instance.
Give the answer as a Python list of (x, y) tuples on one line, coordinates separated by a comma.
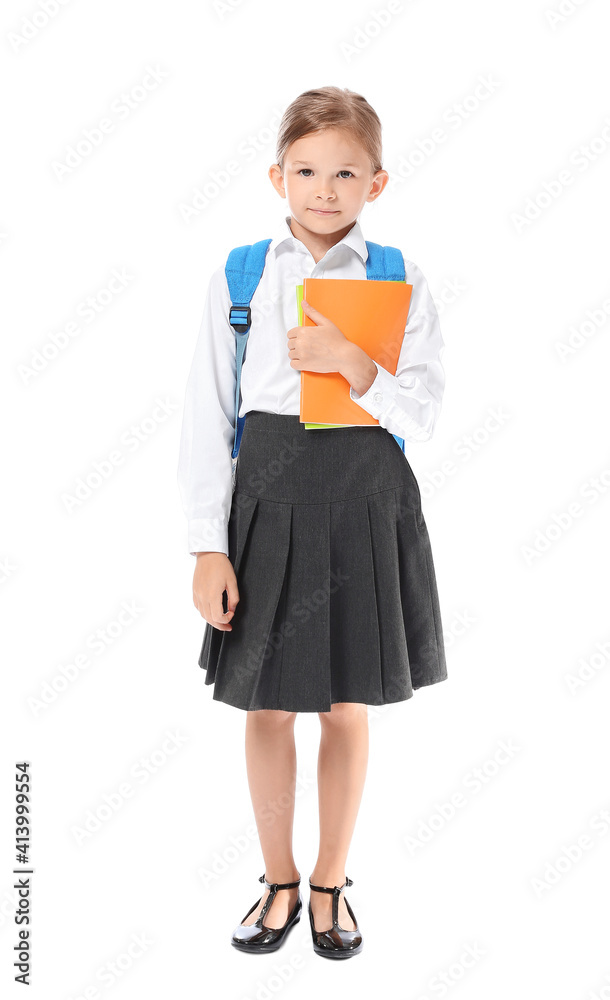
[(282, 461)]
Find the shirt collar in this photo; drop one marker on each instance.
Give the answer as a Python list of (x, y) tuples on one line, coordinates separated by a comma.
[(354, 239)]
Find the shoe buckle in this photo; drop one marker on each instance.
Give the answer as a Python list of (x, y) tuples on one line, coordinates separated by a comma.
[(270, 885)]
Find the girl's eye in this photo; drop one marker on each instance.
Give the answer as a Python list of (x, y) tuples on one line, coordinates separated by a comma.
[(308, 170)]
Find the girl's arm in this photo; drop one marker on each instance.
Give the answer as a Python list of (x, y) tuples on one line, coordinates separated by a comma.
[(204, 466), (407, 403)]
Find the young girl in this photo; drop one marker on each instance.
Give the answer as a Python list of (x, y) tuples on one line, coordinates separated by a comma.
[(315, 577)]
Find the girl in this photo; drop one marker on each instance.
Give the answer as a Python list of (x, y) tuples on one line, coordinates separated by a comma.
[(322, 551)]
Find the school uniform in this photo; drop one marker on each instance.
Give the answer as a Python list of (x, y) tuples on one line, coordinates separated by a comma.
[(325, 529)]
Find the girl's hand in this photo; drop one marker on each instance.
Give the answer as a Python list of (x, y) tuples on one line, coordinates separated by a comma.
[(213, 575), (320, 348)]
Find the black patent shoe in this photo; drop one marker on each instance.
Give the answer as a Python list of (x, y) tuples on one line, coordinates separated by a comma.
[(335, 942), (258, 938)]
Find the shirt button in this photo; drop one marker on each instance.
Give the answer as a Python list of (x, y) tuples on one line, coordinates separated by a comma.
[(377, 397)]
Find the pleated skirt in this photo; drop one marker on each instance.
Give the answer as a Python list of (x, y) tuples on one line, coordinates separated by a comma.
[(338, 594)]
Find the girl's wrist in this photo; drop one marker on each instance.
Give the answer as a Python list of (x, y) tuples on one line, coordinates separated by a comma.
[(358, 368)]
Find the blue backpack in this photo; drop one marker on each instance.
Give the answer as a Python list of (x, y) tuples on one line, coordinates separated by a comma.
[(244, 270)]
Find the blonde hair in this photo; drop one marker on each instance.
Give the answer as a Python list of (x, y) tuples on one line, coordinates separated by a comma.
[(331, 107)]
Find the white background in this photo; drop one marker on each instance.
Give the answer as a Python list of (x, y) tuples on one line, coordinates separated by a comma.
[(176, 862)]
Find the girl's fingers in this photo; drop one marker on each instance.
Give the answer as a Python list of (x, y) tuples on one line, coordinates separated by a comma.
[(220, 617)]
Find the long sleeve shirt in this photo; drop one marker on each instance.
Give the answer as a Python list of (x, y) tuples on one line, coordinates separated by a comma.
[(406, 404)]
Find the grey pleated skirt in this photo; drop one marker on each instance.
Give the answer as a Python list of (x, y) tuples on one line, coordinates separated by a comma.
[(338, 595)]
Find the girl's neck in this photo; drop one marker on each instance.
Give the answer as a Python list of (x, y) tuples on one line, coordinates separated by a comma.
[(318, 243)]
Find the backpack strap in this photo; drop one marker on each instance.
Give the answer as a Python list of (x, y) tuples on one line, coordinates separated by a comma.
[(386, 264), (243, 271)]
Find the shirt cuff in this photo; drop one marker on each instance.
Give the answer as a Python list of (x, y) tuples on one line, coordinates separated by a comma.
[(382, 391), (208, 534)]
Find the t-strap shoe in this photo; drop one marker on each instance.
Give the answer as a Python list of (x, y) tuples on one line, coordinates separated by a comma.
[(335, 942), (258, 938)]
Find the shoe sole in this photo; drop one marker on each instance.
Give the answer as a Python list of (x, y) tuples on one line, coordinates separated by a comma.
[(339, 953)]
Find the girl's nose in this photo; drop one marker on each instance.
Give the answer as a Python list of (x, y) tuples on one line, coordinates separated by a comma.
[(326, 190)]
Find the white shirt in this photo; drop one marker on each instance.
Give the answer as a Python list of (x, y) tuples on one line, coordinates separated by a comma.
[(407, 403)]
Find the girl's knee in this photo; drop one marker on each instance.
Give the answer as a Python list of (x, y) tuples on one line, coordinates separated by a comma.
[(344, 713)]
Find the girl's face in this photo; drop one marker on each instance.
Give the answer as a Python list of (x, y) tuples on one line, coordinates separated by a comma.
[(327, 179)]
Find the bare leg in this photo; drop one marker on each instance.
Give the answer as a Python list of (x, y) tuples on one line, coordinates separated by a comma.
[(342, 764), (271, 767)]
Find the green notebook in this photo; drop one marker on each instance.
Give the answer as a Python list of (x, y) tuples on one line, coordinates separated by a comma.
[(311, 427)]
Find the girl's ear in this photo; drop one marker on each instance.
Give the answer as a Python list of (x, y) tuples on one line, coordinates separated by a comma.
[(275, 176)]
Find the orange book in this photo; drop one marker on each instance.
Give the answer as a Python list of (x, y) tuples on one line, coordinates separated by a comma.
[(372, 314)]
